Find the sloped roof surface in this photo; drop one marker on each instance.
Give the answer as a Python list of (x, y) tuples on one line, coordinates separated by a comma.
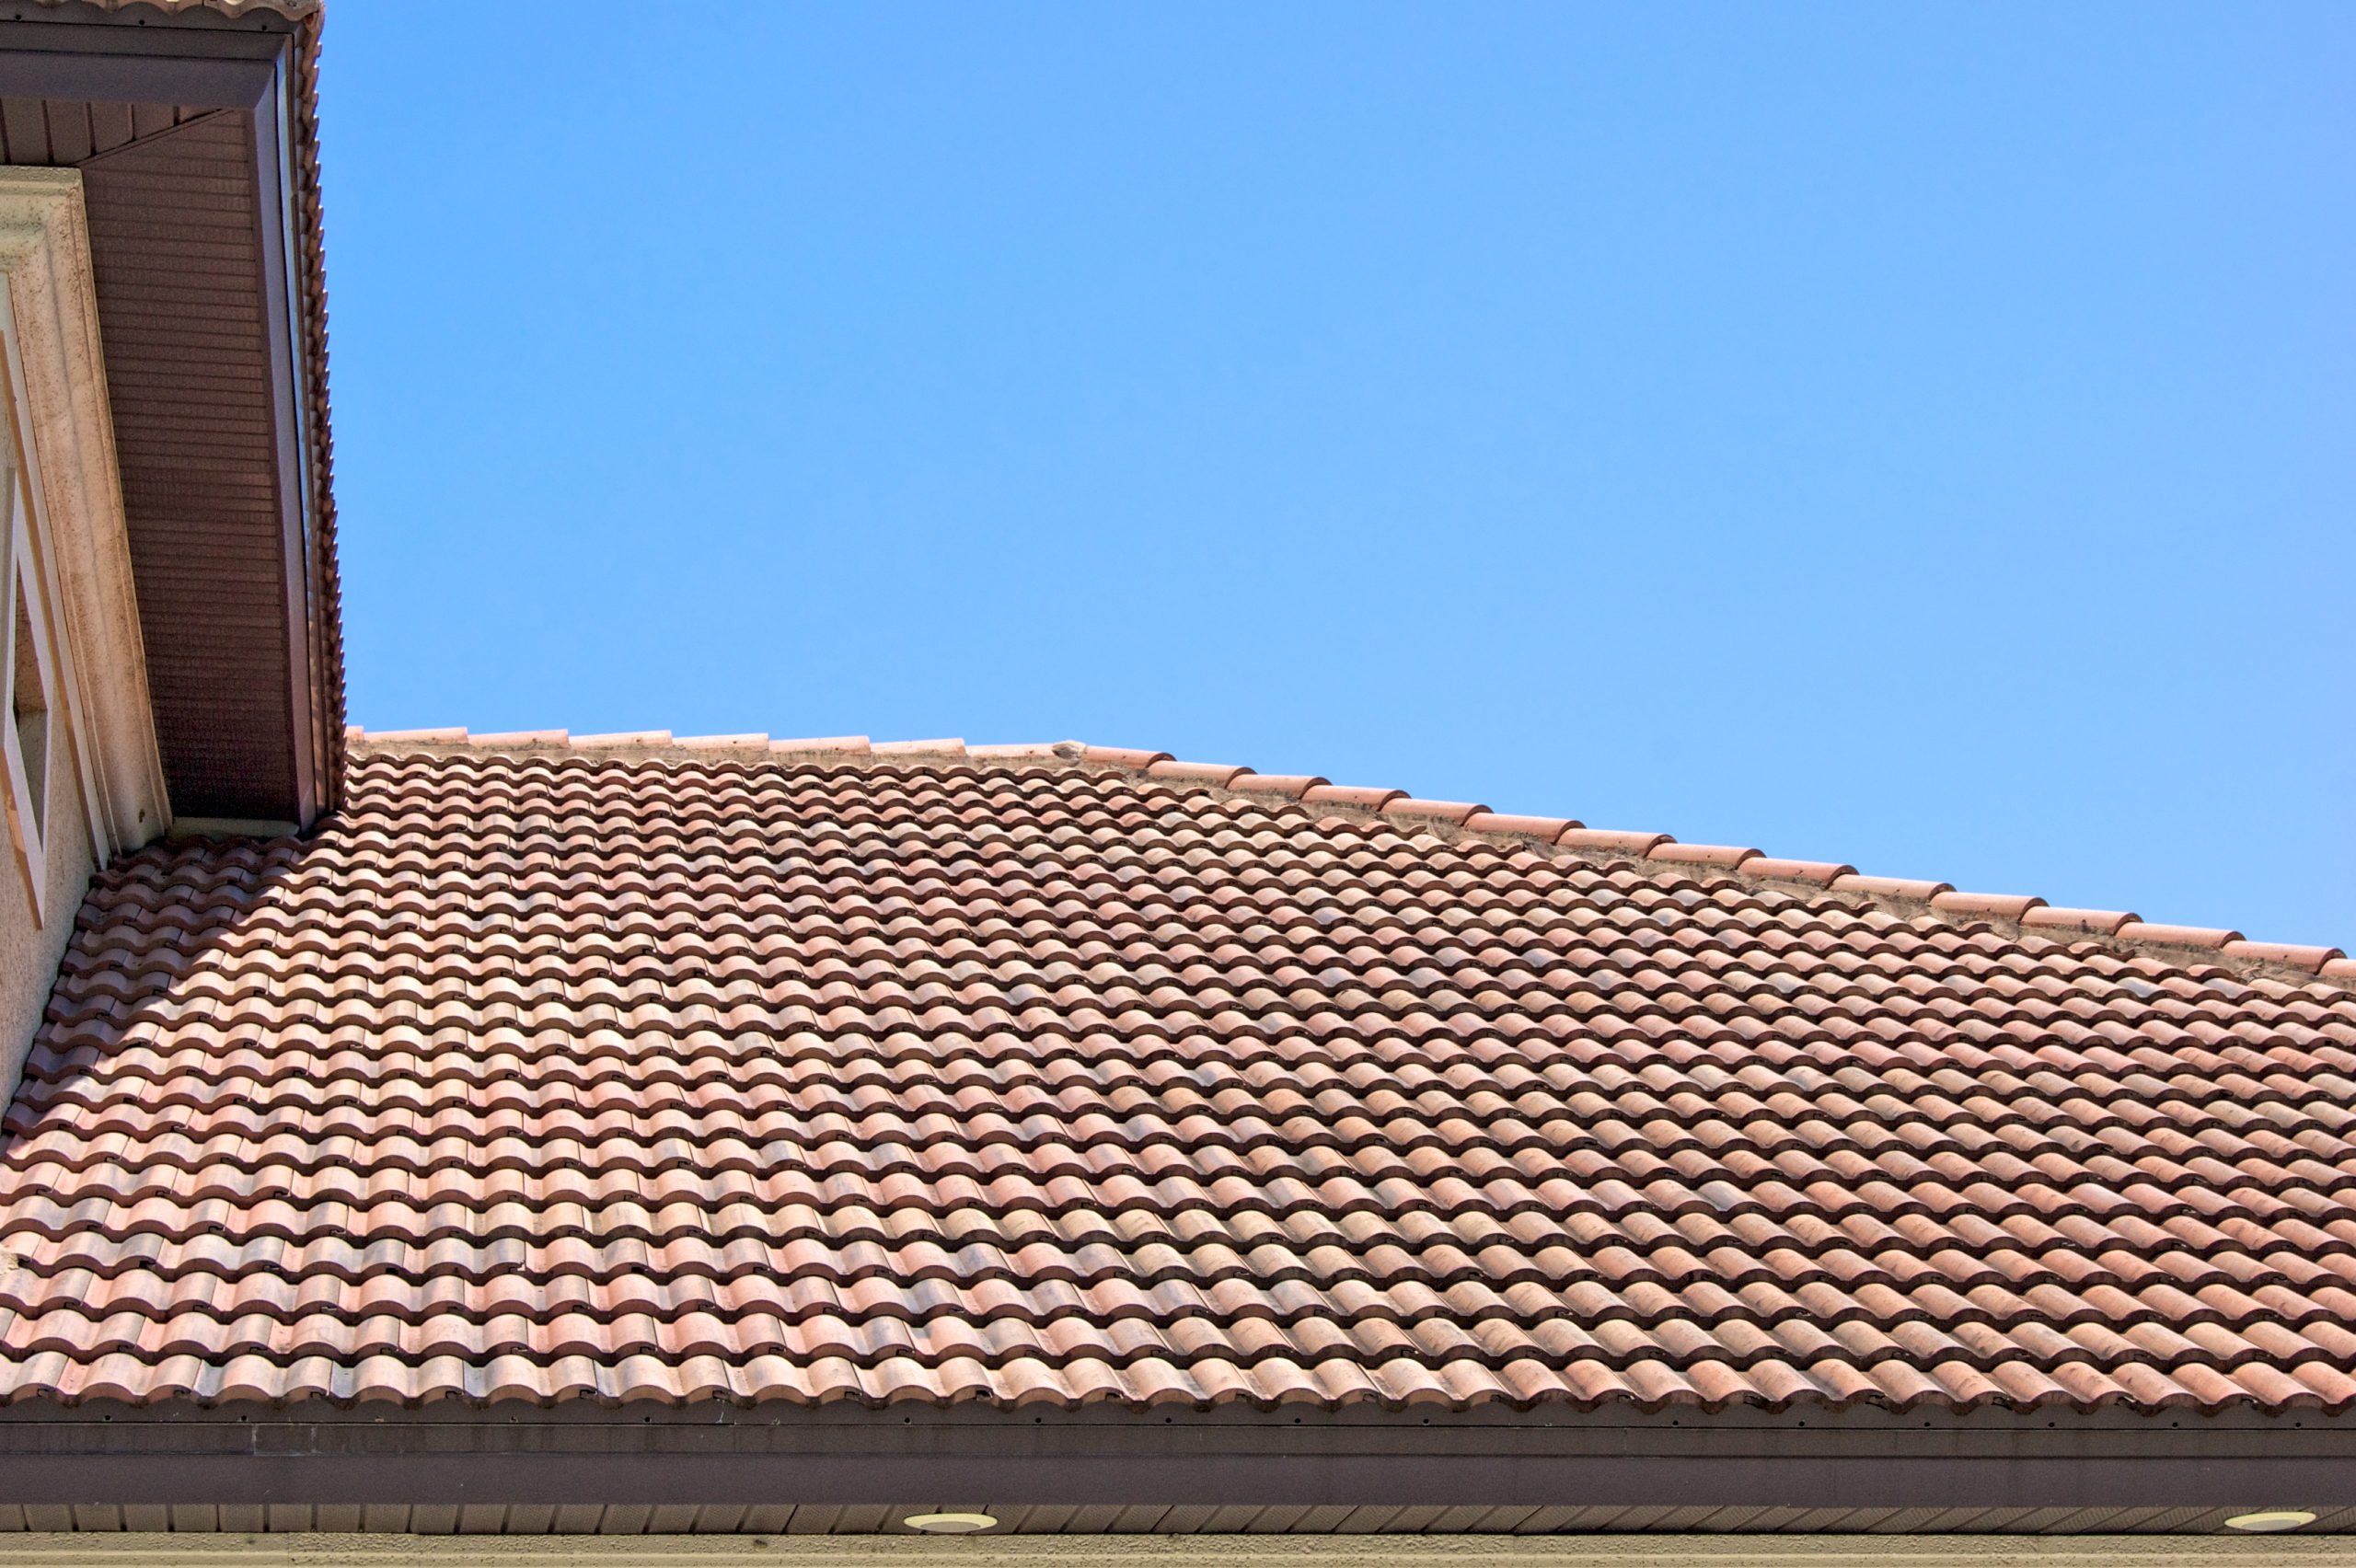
[(545, 1073)]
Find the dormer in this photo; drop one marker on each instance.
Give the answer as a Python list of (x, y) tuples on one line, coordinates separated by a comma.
[(166, 358), (171, 651)]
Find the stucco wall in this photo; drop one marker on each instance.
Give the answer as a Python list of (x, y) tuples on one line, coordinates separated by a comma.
[(30, 952)]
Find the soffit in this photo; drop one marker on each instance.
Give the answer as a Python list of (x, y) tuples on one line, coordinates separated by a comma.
[(479, 1536)]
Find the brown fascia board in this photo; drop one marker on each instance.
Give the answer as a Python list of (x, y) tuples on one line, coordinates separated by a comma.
[(607, 1455), (257, 62)]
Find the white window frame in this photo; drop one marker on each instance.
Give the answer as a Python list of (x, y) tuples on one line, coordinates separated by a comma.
[(65, 546), (28, 818)]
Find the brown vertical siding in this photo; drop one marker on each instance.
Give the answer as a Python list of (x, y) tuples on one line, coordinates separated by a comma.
[(176, 240), (56, 132)]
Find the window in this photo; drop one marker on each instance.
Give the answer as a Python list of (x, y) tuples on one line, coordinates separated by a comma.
[(25, 737), (30, 708)]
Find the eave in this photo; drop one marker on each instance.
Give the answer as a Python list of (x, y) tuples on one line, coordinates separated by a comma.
[(860, 1470)]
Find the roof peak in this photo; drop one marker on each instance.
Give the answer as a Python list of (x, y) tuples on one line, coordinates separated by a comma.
[(2026, 913)]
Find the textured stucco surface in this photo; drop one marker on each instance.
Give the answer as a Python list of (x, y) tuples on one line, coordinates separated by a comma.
[(30, 950)]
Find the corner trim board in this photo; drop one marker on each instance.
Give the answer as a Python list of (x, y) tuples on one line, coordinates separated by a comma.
[(64, 424)]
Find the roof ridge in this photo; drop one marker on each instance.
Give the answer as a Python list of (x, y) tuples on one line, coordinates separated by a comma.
[(2028, 913)]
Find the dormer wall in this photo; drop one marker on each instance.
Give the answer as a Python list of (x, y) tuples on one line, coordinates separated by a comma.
[(171, 649)]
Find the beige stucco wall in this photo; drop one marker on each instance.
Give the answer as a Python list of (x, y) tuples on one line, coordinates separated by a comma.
[(30, 952)]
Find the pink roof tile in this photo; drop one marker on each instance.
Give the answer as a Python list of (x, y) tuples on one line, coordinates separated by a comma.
[(1046, 1076)]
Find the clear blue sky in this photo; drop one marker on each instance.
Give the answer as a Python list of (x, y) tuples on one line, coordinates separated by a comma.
[(1920, 436)]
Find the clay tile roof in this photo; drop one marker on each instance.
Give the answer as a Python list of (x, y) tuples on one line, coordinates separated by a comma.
[(290, 9), (553, 1070)]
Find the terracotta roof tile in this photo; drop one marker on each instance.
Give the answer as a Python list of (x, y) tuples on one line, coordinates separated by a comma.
[(1914, 890), (1292, 786), (1351, 795), (1035, 1075), (853, 744), (1720, 856), (2314, 960), (1995, 906), (2101, 922), (2211, 938), (1604, 841), (1196, 772), (290, 9), (1823, 874), (617, 739), (1453, 813), (1547, 828)]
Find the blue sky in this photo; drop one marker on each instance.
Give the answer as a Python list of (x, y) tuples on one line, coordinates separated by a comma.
[(1918, 436)]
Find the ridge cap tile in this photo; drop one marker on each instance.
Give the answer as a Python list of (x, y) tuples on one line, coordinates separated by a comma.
[(1219, 775), (1724, 857), (624, 738), (2178, 936), (1351, 795), (521, 738), (2291, 955), (852, 744), (1291, 785), (2099, 922), (1451, 812), (1824, 873), (2022, 909), (1542, 827), (429, 735)]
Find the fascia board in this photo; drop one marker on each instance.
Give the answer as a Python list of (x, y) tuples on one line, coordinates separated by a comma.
[(28, 70)]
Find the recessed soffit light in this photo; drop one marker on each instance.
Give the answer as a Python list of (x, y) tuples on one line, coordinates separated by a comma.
[(2268, 1519), (949, 1524)]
